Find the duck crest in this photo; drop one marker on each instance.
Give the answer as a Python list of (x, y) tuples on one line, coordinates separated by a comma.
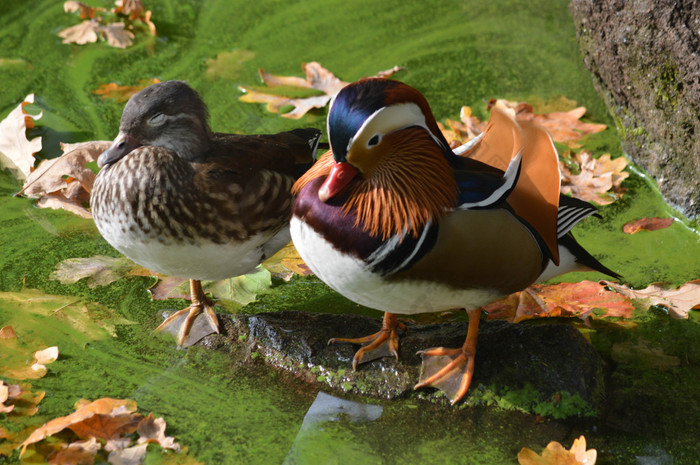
[(413, 185)]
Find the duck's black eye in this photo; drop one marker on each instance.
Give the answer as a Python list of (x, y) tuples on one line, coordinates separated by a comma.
[(373, 141)]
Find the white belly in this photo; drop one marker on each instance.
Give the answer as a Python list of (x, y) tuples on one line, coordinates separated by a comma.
[(203, 260), (351, 278)]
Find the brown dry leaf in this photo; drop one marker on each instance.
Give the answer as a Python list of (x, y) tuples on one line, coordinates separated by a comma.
[(563, 126), (23, 402), (647, 224), (86, 11), (153, 430), (555, 454), (286, 262), (16, 367), (121, 94), (596, 177), (560, 300), (8, 332), (317, 77), (107, 426), (76, 453), (65, 182), (462, 131), (130, 456), (679, 301), (100, 270), (81, 34), (15, 148), (117, 35), (131, 8), (84, 410)]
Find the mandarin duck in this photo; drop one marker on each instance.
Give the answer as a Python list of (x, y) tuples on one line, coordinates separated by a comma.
[(184, 201), (395, 220)]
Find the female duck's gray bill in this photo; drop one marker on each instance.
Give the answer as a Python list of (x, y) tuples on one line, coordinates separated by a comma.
[(121, 146)]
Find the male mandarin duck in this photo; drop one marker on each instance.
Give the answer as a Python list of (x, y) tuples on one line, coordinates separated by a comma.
[(393, 219), (184, 201)]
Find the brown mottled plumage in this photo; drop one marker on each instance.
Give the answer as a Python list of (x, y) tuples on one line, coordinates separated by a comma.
[(184, 201)]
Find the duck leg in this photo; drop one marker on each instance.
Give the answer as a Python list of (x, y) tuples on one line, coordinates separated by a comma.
[(190, 332), (451, 370), (383, 343)]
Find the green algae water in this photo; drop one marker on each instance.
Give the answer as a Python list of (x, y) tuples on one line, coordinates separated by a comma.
[(456, 53)]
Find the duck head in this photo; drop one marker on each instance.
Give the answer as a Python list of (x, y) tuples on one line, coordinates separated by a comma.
[(168, 114)]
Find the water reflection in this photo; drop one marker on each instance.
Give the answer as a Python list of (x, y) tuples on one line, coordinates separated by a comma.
[(317, 443)]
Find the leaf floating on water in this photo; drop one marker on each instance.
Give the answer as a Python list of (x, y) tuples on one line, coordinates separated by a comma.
[(679, 301), (86, 11), (317, 78), (556, 454), (15, 149), (117, 36), (647, 224), (286, 263), (598, 180), (81, 34)]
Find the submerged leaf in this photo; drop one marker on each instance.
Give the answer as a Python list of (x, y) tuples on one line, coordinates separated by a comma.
[(99, 270)]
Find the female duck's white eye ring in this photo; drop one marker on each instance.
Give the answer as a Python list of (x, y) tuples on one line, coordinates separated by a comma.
[(374, 140), (157, 119)]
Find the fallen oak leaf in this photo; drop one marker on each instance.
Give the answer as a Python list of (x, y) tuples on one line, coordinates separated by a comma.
[(287, 262), (596, 177), (14, 145), (152, 430), (647, 224), (8, 332), (556, 454), (76, 453), (4, 395), (131, 8), (84, 409), (129, 456), (679, 301), (107, 426), (317, 78), (65, 182), (81, 34), (464, 130), (23, 401), (560, 300), (86, 11), (117, 35)]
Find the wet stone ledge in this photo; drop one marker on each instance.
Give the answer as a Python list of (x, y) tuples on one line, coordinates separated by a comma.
[(546, 369)]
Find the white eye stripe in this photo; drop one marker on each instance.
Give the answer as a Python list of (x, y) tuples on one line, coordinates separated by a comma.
[(157, 119)]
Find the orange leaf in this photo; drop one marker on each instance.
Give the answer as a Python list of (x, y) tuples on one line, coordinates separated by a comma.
[(76, 453), (107, 426), (564, 299), (555, 454), (8, 332), (86, 11), (647, 224), (121, 94), (678, 301), (85, 409)]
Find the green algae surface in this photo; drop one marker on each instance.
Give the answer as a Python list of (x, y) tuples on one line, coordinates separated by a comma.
[(456, 54)]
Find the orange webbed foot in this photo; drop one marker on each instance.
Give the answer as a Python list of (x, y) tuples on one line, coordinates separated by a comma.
[(383, 343), (185, 324), (451, 370)]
